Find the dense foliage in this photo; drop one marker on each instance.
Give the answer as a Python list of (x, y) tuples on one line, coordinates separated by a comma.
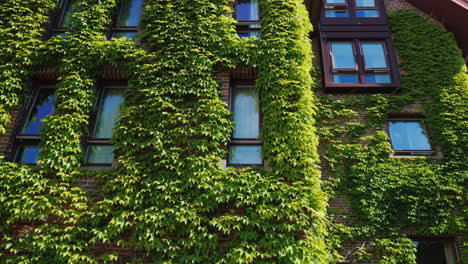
[(392, 195), (168, 200)]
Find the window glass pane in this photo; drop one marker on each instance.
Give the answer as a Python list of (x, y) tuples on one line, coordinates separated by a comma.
[(109, 112), (247, 10), (365, 3), (335, 1), (130, 35), (27, 154), (130, 13), (100, 154), (249, 34), (378, 78), (246, 113), (367, 13), (343, 55), (434, 252), (408, 135), (334, 13), (245, 155), (345, 78), (43, 106), (67, 13), (374, 55)]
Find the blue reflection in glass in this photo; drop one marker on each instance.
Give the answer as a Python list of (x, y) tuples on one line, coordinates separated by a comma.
[(408, 135), (343, 55), (245, 155), (28, 154), (378, 78), (109, 112), (246, 113), (335, 1), (345, 78), (335, 13), (43, 106), (100, 154), (249, 34), (130, 13), (365, 3), (130, 35), (374, 55), (247, 10), (367, 13)]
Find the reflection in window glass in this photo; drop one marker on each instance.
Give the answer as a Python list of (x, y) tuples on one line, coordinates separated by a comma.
[(130, 35), (246, 113), (374, 55), (67, 13), (365, 3), (435, 252), (408, 135), (109, 112), (335, 1), (367, 13), (378, 78), (245, 155), (43, 106), (336, 13), (247, 10), (249, 34), (99, 154), (130, 13), (345, 78), (343, 55), (27, 154)]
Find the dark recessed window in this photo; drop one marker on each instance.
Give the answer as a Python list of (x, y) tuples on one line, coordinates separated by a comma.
[(107, 113), (409, 137), (63, 17), (128, 19), (245, 148), (435, 252), (359, 63), (27, 140), (247, 14)]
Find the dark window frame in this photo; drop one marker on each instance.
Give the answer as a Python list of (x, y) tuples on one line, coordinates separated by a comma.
[(245, 141), (357, 38), (56, 29), (243, 25), (352, 19), (22, 140), (90, 140), (403, 152), (115, 28)]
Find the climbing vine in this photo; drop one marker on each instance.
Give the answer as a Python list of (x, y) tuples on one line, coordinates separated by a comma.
[(167, 200), (391, 195)]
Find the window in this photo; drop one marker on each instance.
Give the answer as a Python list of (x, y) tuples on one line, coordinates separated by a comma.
[(128, 19), (108, 108), (409, 137), (245, 148), (435, 251), (349, 10), (27, 140), (359, 62), (248, 18), (62, 19)]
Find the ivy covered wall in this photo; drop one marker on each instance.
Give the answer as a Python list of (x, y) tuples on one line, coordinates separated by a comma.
[(168, 200)]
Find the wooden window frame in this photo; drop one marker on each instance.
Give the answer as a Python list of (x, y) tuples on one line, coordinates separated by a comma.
[(352, 19), (357, 38), (20, 139), (444, 239), (243, 25), (90, 140), (413, 153), (244, 141)]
